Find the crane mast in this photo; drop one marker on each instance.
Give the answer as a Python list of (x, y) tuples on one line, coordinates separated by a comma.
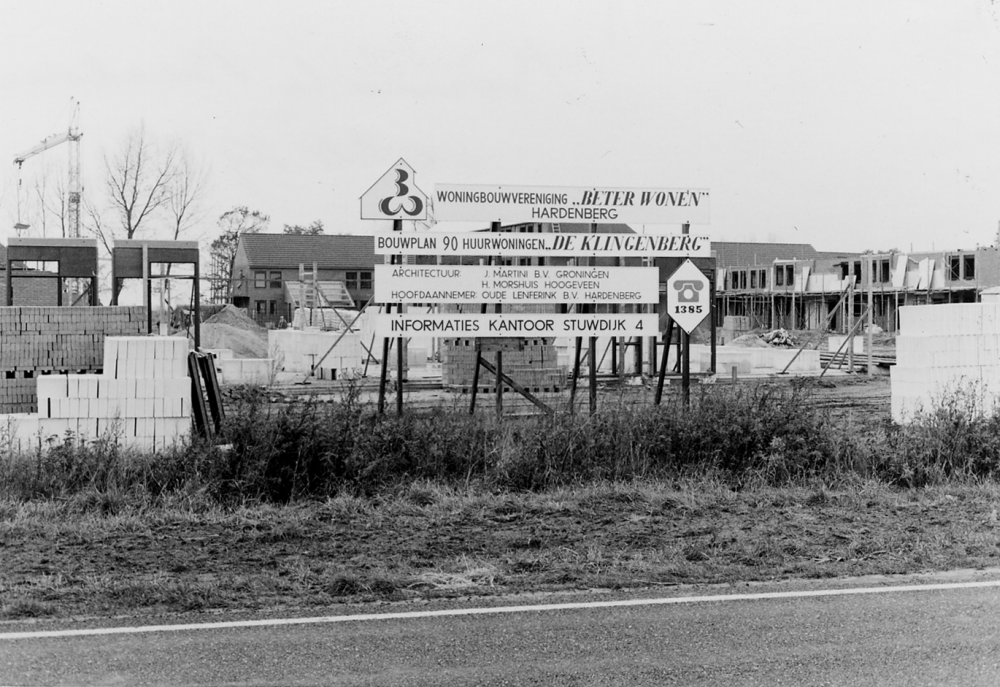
[(72, 135)]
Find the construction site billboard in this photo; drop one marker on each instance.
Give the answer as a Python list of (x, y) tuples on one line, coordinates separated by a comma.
[(542, 245), (515, 284), (516, 204)]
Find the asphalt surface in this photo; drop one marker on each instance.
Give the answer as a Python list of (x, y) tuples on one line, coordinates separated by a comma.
[(912, 638)]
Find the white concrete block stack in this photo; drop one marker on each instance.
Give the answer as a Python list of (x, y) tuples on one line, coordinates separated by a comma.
[(142, 398), (942, 349), (297, 352)]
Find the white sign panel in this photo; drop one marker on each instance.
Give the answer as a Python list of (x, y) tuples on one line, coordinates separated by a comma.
[(509, 284), (688, 296), (520, 245), (395, 195), (515, 325), (514, 204)]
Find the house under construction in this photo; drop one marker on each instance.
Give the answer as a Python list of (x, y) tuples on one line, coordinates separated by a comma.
[(793, 286)]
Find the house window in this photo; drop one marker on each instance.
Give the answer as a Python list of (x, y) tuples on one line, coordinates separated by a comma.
[(968, 266), (359, 280), (763, 279), (261, 307), (753, 279), (260, 280), (954, 268), (779, 275), (790, 274), (884, 272), (857, 272), (275, 280), (272, 307)]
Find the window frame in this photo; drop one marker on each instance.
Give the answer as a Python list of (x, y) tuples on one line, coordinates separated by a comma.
[(260, 279), (968, 267)]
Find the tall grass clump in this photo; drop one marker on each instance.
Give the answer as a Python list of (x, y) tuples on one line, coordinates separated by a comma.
[(957, 437), (767, 433)]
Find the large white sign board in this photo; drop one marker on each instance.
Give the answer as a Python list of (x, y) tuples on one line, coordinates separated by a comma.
[(516, 204), (688, 296), (395, 195), (515, 284), (515, 325), (521, 245)]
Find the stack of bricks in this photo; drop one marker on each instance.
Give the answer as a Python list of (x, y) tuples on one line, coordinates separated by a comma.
[(142, 400), (532, 363), (51, 339)]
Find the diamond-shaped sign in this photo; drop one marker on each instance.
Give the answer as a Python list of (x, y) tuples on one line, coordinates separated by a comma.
[(395, 195), (688, 296)]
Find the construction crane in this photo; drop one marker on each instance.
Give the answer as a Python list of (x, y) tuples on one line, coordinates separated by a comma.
[(72, 135)]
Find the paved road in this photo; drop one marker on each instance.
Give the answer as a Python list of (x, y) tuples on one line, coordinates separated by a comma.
[(927, 637)]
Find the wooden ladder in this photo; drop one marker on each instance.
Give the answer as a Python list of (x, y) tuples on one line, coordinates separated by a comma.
[(308, 289)]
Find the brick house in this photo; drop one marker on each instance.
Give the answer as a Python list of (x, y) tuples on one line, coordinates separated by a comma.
[(266, 263)]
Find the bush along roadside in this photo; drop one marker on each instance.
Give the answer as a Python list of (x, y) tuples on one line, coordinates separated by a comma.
[(766, 434)]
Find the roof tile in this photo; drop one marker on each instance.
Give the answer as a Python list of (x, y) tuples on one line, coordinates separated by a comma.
[(328, 251)]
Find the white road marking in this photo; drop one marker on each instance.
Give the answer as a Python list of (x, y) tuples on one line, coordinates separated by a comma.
[(41, 634)]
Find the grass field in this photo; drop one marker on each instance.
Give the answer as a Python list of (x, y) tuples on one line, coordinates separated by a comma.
[(317, 504)]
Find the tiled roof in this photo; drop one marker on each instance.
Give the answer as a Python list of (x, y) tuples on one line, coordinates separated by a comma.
[(291, 250), (740, 253), (584, 228)]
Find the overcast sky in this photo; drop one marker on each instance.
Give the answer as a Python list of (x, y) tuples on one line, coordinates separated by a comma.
[(848, 125)]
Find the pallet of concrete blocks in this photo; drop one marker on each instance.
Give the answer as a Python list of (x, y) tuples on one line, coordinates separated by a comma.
[(142, 399)]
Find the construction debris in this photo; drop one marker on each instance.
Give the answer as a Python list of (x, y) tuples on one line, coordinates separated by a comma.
[(778, 337)]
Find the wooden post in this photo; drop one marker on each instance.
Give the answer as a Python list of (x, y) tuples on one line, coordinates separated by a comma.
[(383, 374), (397, 225), (147, 289), (499, 377), (850, 334), (576, 374), (196, 311), (868, 337)]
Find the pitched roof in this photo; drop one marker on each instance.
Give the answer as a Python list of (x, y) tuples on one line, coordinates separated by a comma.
[(292, 250), (742, 253), (584, 228)]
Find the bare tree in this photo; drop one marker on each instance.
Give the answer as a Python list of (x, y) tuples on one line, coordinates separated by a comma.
[(184, 202), (314, 229), (233, 224), (52, 201), (185, 194), (137, 183)]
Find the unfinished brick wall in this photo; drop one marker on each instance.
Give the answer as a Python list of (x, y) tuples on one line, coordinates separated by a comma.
[(40, 340)]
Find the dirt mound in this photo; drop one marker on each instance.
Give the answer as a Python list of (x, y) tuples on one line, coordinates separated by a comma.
[(234, 317), (244, 343)]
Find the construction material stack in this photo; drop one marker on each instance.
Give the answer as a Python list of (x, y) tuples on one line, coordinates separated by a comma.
[(141, 400), (42, 340), (943, 350)]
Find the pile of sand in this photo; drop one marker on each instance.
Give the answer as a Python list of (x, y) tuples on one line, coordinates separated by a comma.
[(243, 343), (234, 317), (231, 328)]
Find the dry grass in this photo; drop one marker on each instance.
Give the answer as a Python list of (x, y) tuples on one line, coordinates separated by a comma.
[(429, 541)]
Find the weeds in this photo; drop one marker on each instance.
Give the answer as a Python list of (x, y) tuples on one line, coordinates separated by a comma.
[(746, 436)]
